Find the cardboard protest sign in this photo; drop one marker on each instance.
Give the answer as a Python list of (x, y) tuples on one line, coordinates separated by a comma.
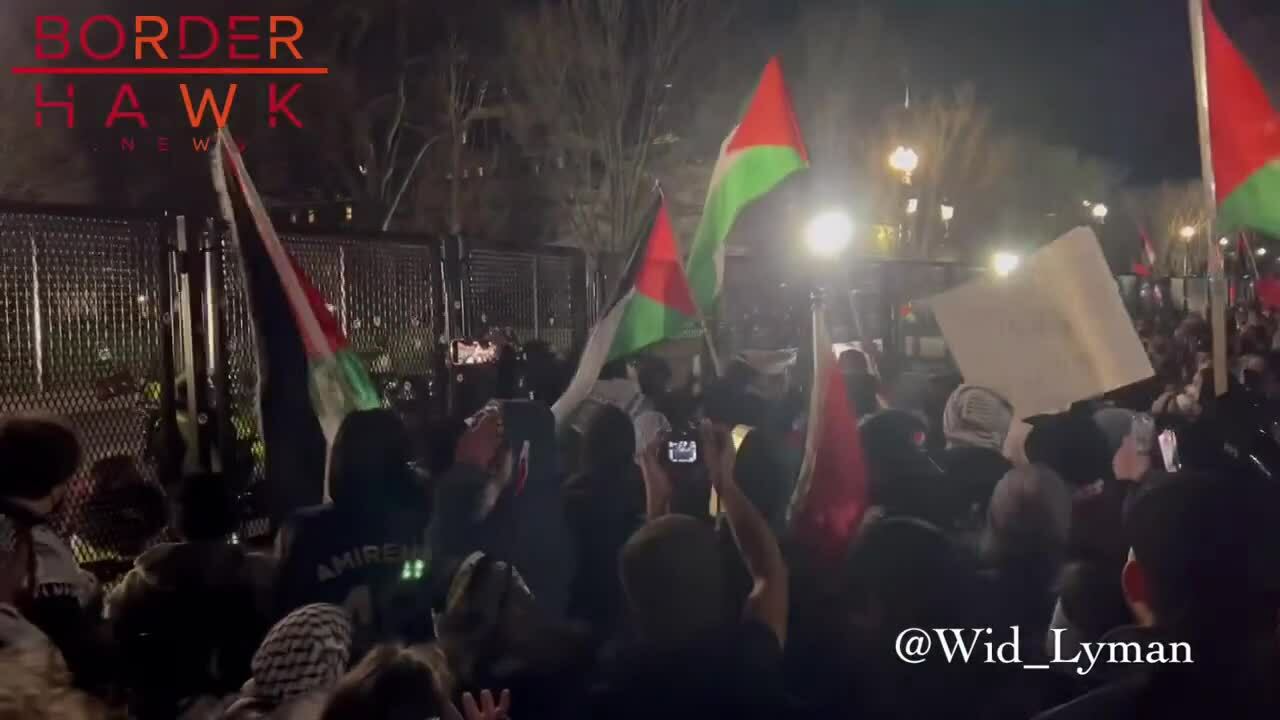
[(1054, 331)]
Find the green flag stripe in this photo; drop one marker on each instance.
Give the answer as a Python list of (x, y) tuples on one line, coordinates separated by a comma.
[(754, 173), (645, 321), (1255, 204)]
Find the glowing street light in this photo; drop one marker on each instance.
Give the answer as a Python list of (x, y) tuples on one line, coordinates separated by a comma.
[(1004, 263), (1100, 212), (1262, 251), (904, 160), (948, 212), (1187, 232), (1224, 242), (828, 234)]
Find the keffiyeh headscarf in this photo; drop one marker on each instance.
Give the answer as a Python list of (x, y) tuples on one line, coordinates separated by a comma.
[(976, 417), (308, 650)]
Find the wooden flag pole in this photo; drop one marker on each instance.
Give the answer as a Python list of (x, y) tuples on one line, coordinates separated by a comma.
[(1217, 279)]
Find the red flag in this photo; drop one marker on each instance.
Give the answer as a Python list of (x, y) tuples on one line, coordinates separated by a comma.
[(1268, 292), (831, 492)]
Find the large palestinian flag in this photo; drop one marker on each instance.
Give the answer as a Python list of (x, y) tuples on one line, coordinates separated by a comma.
[(653, 303), (762, 151), (832, 489), (1244, 130), (310, 376)]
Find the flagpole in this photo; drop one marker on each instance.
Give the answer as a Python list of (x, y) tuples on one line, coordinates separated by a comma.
[(1217, 287)]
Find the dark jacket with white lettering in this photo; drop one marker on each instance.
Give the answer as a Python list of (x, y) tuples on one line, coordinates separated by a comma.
[(351, 558), (526, 525)]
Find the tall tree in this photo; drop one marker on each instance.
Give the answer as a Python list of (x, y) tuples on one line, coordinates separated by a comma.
[(962, 162), (590, 85), (1162, 211)]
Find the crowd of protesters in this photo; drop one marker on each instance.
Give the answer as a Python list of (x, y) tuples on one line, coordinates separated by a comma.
[(531, 573)]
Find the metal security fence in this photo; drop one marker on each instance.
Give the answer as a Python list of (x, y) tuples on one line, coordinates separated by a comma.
[(138, 330), (535, 295), (83, 302)]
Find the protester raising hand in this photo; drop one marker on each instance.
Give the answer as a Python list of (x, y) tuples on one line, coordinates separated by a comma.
[(768, 601), (719, 453), (481, 442), (657, 481), (1130, 463), (487, 709)]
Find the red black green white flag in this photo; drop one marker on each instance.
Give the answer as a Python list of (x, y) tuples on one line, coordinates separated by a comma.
[(310, 376), (1244, 132), (653, 303), (764, 149), (832, 489)]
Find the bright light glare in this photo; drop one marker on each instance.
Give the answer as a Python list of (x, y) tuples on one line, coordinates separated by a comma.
[(948, 212), (904, 160), (1224, 242), (1100, 211), (1187, 232), (1004, 263), (913, 204), (828, 234), (1262, 251)]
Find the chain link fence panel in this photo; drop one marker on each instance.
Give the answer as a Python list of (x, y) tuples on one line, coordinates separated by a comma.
[(81, 326)]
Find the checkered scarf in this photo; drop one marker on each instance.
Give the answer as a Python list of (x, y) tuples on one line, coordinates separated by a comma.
[(307, 650)]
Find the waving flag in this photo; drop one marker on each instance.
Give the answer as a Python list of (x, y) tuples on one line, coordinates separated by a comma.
[(653, 304), (832, 491), (1244, 132), (762, 151), (311, 377)]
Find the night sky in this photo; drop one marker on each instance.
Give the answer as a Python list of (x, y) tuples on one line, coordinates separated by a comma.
[(1111, 77)]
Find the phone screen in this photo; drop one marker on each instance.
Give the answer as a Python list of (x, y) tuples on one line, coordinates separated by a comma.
[(682, 451), (474, 353)]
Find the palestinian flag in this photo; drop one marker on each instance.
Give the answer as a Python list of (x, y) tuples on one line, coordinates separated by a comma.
[(1145, 269), (653, 303), (311, 378), (1244, 131), (832, 490), (762, 151)]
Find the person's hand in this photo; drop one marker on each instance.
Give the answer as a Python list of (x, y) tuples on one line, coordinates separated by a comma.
[(15, 570), (719, 454), (481, 442), (485, 710), (656, 477), (1129, 465)]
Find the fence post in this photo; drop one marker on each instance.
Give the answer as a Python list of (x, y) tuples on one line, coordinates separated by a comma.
[(215, 304), (168, 462), (193, 354), (578, 299), (536, 260)]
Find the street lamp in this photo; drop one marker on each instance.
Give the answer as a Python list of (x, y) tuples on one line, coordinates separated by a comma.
[(904, 160), (828, 234), (1224, 242), (1100, 212), (1187, 232), (1262, 252), (1004, 263)]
